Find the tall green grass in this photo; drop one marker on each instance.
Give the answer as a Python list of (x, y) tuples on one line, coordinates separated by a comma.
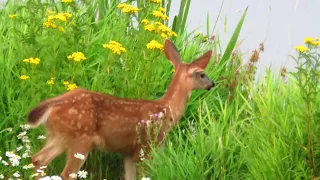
[(239, 130)]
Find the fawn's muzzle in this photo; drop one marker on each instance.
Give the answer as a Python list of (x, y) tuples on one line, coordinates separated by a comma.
[(211, 85)]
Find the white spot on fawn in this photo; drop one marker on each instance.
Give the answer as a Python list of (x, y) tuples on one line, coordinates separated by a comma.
[(72, 111)]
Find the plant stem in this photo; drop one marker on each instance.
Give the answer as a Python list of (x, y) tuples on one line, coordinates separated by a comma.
[(308, 116)]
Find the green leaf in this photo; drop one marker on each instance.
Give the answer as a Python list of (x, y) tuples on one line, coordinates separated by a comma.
[(234, 38)]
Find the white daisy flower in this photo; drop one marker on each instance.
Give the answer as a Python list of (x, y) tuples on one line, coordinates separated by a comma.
[(22, 134), (29, 166), (19, 148), (16, 174), (34, 175), (45, 178), (73, 175), (4, 163), (43, 167), (41, 137), (15, 162), (10, 154), (79, 156), (56, 178), (82, 174)]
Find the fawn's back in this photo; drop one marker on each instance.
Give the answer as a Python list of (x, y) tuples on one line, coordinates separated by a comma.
[(108, 121)]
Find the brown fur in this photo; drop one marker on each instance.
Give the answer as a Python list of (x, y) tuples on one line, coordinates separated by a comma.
[(81, 120)]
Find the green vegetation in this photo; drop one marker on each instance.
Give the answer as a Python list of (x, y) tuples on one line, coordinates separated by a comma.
[(243, 129)]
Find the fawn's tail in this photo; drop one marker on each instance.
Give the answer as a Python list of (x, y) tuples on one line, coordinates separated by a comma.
[(39, 114)]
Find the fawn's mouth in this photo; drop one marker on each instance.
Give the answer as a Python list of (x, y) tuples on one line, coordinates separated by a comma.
[(211, 86)]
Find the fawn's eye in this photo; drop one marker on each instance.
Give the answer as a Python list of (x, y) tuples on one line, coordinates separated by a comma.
[(202, 75)]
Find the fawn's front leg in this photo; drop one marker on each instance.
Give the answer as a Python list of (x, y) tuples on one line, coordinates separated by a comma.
[(73, 164), (130, 168)]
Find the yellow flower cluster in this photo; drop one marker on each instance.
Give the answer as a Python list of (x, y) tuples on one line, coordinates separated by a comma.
[(115, 47), (156, 1), (70, 86), (160, 15), (51, 81), (127, 8), (32, 60), (77, 56), (312, 41), (50, 23), (155, 45), (301, 49), (24, 77), (12, 15), (159, 28), (145, 21), (66, 1)]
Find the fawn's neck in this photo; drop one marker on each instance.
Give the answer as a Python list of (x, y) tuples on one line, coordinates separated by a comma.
[(176, 98)]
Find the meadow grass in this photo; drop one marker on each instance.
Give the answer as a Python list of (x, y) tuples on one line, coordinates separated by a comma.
[(243, 129)]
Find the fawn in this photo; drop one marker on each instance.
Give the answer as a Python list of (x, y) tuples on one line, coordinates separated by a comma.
[(80, 120)]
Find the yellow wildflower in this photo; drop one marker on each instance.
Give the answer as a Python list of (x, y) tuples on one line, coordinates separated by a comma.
[(50, 18), (49, 24), (66, 1), (156, 1), (161, 9), (69, 15), (127, 8), (301, 49), (308, 40), (61, 28), (154, 45), (72, 87), (145, 21), (162, 28), (149, 27), (160, 15), (12, 15), (66, 82), (61, 17), (171, 33), (51, 81), (53, 25), (24, 77), (315, 43), (115, 47), (32, 60), (163, 35), (51, 12), (77, 56)]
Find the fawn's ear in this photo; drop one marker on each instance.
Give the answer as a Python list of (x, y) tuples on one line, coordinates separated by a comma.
[(172, 53), (200, 63)]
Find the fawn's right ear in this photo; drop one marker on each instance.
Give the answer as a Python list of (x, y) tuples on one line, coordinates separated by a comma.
[(172, 53)]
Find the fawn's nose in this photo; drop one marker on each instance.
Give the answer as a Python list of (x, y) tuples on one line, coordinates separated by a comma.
[(211, 85)]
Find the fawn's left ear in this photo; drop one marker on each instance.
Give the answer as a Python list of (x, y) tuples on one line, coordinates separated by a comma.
[(200, 63), (172, 53)]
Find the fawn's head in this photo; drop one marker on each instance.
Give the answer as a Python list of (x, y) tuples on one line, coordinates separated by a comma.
[(191, 74)]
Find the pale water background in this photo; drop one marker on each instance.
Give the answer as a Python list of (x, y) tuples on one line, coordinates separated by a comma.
[(280, 24)]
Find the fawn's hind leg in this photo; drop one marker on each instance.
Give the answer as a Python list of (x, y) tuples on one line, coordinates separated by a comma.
[(74, 164), (130, 168), (51, 150)]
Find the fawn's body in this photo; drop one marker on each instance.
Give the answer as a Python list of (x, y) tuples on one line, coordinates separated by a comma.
[(82, 120)]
